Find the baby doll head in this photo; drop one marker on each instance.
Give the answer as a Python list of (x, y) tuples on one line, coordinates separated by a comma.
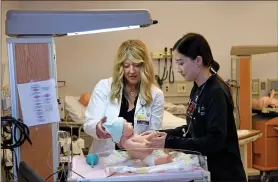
[(128, 129), (85, 99), (118, 127)]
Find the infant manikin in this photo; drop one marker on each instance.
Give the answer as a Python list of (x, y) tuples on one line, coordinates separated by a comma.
[(265, 102), (136, 145)]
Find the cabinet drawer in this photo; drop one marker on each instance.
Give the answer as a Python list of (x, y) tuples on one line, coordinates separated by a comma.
[(272, 151), (272, 131)]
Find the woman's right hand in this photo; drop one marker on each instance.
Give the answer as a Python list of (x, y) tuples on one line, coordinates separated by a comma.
[(148, 132), (100, 129)]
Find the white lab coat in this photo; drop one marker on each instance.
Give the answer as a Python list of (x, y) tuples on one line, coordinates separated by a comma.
[(100, 106)]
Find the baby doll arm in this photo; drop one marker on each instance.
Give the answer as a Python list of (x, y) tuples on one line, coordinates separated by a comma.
[(143, 138), (272, 93), (137, 150), (136, 143)]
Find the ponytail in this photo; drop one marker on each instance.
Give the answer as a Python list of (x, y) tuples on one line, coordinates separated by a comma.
[(214, 67)]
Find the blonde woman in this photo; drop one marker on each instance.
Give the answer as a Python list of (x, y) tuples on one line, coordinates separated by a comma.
[(130, 93)]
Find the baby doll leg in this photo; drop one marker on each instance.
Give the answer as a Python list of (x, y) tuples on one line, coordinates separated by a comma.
[(158, 157), (163, 159)]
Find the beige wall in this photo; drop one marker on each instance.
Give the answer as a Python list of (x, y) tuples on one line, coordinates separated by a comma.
[(5, 6), (224, 24)]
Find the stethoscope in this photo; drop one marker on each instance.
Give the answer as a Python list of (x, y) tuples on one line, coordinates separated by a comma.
[(196, 100), (190, 102)]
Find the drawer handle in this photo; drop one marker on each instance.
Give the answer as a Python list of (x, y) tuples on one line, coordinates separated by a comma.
[(255, 153)]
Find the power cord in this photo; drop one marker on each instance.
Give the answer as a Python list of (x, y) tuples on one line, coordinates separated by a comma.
[(7, 165), (8, 123), (63, 170), (17, 125), (236, 86)]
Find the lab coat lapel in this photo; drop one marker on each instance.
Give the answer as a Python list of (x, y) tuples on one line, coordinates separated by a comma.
[(119, 103), (115, 107)]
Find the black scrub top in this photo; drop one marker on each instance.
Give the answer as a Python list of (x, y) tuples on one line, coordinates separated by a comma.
[(127, 115), (211, 130)]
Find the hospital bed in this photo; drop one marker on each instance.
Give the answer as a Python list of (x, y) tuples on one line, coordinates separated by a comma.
[(178, 110)]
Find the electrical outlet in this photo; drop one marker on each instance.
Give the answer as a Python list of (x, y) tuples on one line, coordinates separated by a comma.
[(255, 87), (263, 85), (166, 87), (181, 88)]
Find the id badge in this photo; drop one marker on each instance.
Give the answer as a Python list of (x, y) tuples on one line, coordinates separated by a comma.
[(143, 119)]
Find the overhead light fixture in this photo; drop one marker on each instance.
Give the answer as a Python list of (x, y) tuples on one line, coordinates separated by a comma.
[(103, 30), (68, 23)]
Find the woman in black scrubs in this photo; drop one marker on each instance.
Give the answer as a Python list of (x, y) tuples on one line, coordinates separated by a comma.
[(210, 128)]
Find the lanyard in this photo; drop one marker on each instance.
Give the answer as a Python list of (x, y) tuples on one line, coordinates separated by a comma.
[(196, 97)]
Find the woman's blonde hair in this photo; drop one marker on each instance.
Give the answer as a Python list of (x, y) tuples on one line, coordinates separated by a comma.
[(137, 52)]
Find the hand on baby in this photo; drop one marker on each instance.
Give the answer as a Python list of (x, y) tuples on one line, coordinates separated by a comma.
[(156, 139), (140, 148), (148, 132), (100, 131), (159, 140)]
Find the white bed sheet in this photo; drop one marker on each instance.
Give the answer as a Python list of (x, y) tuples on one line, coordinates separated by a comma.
[(172, 121), (75, 110), (178, 109), (98, 174)]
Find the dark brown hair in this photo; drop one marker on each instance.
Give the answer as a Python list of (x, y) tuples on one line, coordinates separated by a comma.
[(192, 45)]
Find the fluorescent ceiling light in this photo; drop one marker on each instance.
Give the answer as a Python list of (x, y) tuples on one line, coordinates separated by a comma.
[(103, 30), (64, 23)]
